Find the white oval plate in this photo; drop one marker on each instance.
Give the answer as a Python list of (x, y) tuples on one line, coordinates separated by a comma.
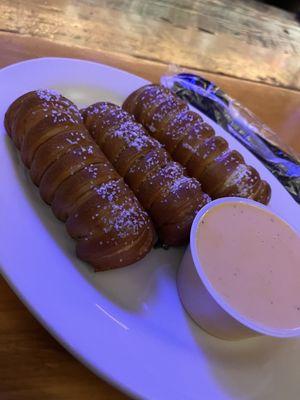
[(128, 325)]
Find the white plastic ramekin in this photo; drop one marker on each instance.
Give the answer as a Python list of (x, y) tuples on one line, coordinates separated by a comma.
[(204, 304)]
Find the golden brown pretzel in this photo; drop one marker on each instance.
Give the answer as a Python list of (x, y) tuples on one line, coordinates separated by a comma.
[(77, 180), (193, 143), (161, 185)]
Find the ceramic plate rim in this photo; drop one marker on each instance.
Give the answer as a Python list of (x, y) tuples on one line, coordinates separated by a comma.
[(127, 388)]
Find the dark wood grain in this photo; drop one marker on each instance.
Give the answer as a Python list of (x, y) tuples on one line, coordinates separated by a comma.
[(244, 39)]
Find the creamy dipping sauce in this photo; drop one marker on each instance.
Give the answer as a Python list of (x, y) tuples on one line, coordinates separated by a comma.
[(252, 259)]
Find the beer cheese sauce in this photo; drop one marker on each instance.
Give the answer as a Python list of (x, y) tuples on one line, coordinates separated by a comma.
[(252, 259)]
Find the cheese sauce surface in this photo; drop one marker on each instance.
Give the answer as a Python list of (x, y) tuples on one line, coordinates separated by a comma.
[(252, 259)]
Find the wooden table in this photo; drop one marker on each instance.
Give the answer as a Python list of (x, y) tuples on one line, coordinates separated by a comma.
[(33, 366)]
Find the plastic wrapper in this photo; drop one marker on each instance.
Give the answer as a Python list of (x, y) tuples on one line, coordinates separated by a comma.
[(241, 123)]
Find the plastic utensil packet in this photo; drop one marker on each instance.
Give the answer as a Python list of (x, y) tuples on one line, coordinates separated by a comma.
[(241, 123)]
